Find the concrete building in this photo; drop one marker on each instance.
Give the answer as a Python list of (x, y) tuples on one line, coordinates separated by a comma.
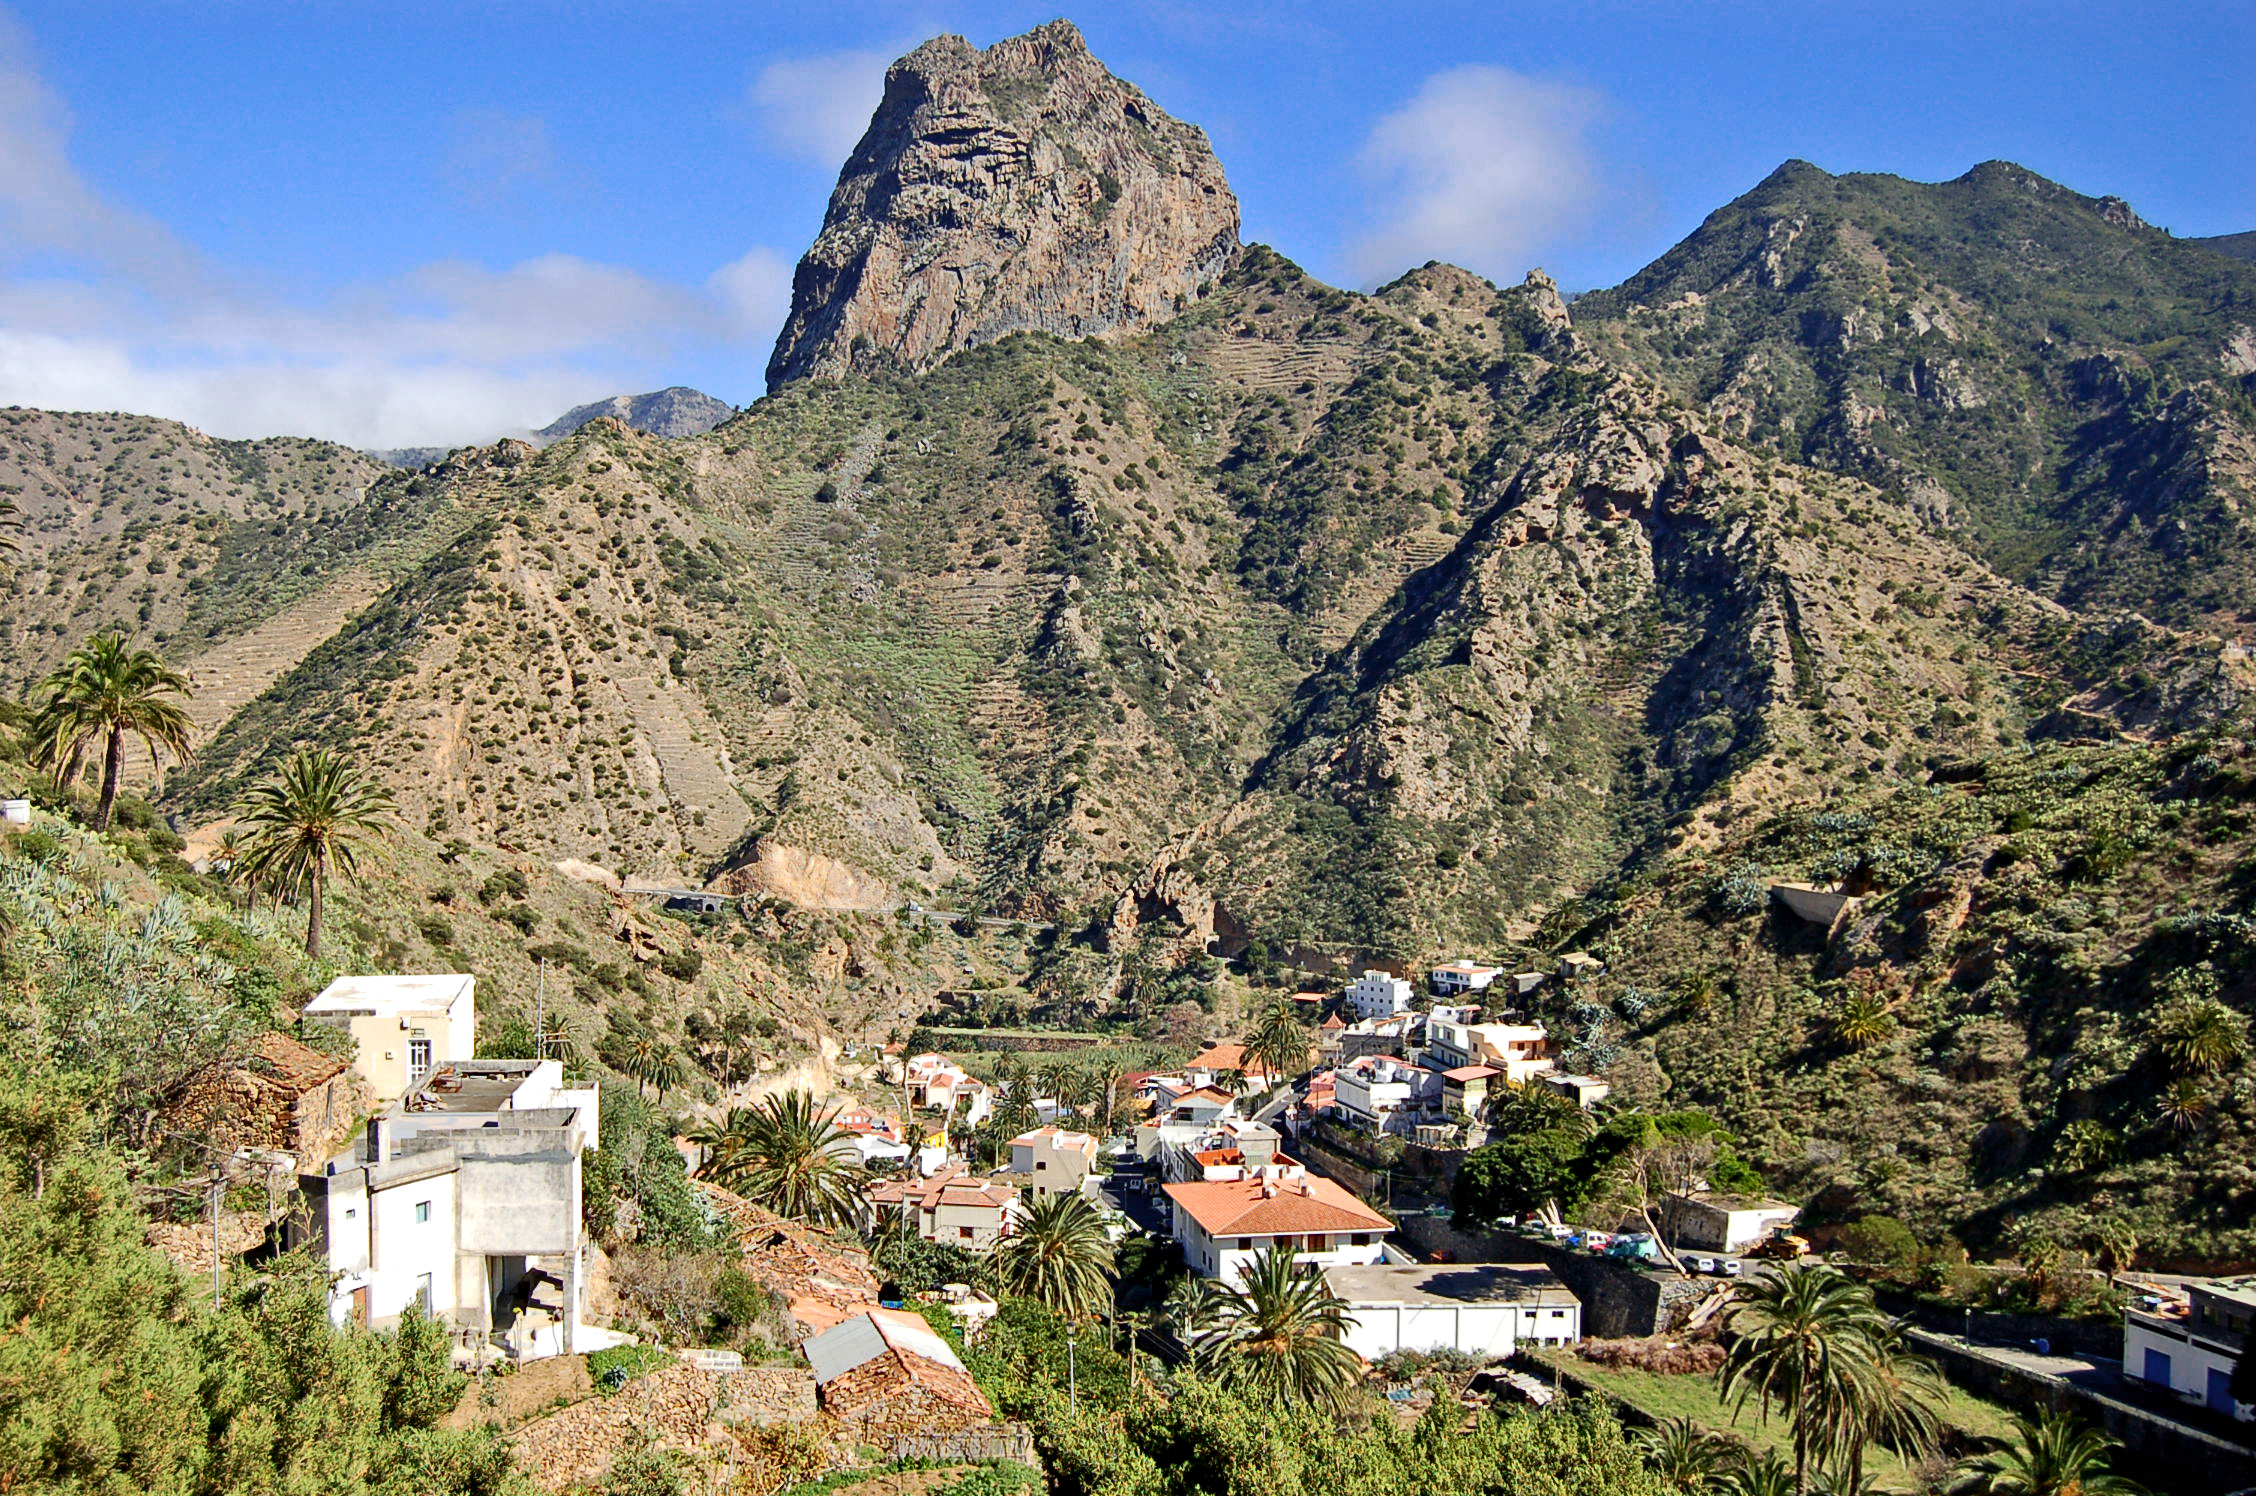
[(2189, 1345), (1404, 1033), (464, 1200), (1375, 994), (404, 1027), (1709, 1222), (1055, 1159), (1521, 1051), (1585, 1091), (1456, 978), (1384, 1093), (1222, 1224), (1482, 1309)]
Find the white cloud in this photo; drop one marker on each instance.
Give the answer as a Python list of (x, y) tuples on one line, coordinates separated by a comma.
[(103, 308), (1484, 167), (814, 109)]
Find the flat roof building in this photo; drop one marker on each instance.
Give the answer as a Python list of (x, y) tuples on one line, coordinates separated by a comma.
[(404, 1027)]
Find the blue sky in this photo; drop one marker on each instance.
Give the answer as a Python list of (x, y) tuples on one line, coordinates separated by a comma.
[(414, 223)]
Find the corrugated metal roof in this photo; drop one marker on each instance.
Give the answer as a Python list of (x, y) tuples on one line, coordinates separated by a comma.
[(866, 1337)]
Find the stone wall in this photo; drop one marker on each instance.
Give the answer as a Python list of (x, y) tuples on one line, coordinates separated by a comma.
[(2067, 1337), (679, 1408), (2196, 1463), (994, 1441)]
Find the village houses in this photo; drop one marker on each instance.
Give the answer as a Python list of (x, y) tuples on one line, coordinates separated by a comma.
[(1456, 978), (1377, 994), (1385, 1093), (954, 1205), (1223, 1223), (402, 1027)]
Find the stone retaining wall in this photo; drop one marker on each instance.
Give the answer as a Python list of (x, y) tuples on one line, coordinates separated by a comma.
[(679, 1408), (994, 1441)]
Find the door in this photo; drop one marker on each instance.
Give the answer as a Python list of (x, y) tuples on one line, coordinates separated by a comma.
[(360, 1307), (2220, 1391), (418, 1060), (2157, 1367)]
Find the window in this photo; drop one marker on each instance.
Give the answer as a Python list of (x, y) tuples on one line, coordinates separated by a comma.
[(422, 1211), (423, 1293), (418, 1058), (1245, 1243), (1362, 1238), (965, 1233), (350, 1213)]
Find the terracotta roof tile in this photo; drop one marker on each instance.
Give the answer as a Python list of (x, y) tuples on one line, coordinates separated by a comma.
[(1307, 1204)]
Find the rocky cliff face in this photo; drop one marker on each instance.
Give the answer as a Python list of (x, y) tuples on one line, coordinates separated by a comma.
[(1020, 188), (675, 411)]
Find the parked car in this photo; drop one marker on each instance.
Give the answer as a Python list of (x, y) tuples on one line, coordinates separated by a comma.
[(1729, 1266), (1701, 1264)]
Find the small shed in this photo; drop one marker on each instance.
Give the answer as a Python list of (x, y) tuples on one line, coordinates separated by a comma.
[(889, 1374), (275, 1093)]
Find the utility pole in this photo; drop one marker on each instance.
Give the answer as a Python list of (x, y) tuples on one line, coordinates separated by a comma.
[(1072, 1374), (540, 1013), (217, 1179)]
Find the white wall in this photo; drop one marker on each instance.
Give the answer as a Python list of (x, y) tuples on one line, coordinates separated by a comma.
[(403, 1248)]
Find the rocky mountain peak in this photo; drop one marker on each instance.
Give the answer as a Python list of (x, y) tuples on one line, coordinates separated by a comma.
[(673, 412), (1018, 188)]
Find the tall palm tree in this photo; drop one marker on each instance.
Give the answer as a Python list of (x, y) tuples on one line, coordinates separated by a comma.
[(1895, 1401), (309, 821), (2054, 1455), (650, 1061), (1688, 1458), (1278, 1335), (102, 693), (1806, 1341), (1058, 1254), (788, 1155), (1278, 1045)]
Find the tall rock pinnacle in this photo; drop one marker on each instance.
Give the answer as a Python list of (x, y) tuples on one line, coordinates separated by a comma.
[(1020, 188)]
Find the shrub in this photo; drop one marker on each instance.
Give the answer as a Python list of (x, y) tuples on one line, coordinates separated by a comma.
[(682, 966), (614, 1368), (1882, 1240)]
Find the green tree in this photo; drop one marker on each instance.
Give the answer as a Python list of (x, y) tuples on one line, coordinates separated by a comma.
[(1278, 1336), (1058, 1254), (2053, 1455), (1806, 1340), (101, 694), (310, 822), (1549, 1172), (789, 1156), (1278, 1045)]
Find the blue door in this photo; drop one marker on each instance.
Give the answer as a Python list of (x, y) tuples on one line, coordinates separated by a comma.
[(2220, 1391), (2157, 1368)]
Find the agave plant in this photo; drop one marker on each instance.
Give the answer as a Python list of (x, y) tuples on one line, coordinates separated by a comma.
[(2182, 1104), (1862, 1021)]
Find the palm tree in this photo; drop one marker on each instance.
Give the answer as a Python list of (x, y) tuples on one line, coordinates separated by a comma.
[(650, 1061), (1896, 1402), (101, 693), (309, 821), (1807, 1341), (789, 1156), (1688, 1458), (2053, 1455), (1278, 1335), (1278, 1045), (1059, 1255)]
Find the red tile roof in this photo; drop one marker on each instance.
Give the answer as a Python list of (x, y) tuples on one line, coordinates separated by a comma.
[(1256, 1207)]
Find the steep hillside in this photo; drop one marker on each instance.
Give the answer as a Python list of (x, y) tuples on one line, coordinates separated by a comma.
[(147, 525), (1995, 1040), (2038, 372)]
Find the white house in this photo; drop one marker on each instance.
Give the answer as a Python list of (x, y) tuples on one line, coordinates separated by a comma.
[(1382, 1093), (464, 1199), (1375, 994), (1482, 1309), (1456, 978), (1706, 1221), (1222, 1224), (1054, 1158), (1521, 1051), (402, 1027), (2189, 1346)]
